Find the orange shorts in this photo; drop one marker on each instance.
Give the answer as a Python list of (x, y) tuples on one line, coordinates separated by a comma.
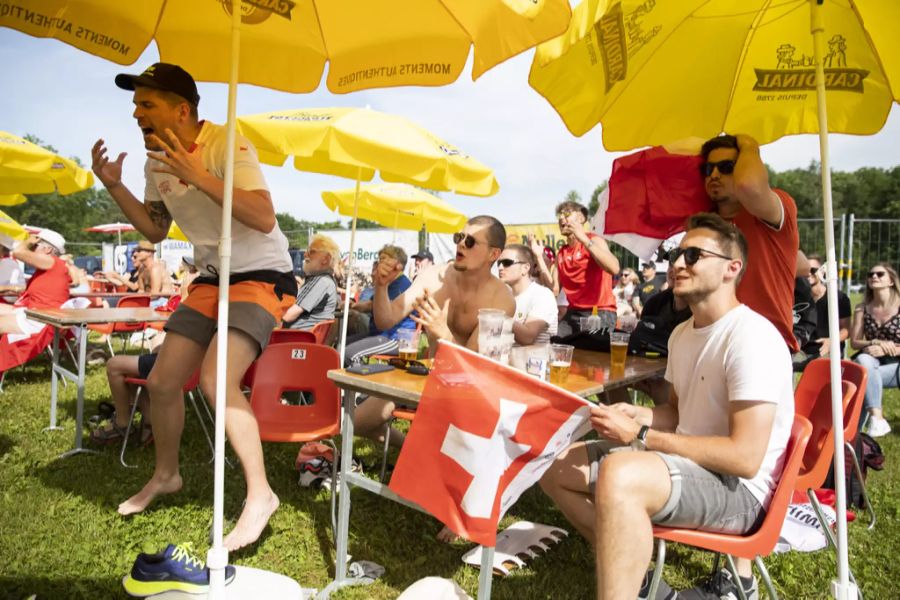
[(254, 307)]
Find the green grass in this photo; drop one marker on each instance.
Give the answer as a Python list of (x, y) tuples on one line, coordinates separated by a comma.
[(60, 536)]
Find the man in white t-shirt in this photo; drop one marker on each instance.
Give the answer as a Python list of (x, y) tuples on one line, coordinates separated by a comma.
[(184, 173), (716, 449), (535, 320)]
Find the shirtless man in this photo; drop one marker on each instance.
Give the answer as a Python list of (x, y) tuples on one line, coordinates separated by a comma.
[(153, 277), (447, 298)]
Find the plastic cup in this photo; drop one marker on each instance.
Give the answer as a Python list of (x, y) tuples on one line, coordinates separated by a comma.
[(507, 340), (408, 344), (490, 332), (560, 362), (537, 360), (618, 348)]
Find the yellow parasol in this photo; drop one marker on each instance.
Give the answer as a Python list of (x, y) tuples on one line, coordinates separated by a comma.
[(26, 168), (356, 142), (10, 230), (366, 44), (652, 72), (398, 206)]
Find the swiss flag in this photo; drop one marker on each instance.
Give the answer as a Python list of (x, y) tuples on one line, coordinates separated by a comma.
[(650, 194), (483, 434)]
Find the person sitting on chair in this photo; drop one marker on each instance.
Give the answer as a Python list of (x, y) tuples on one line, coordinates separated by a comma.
[(317, 299), (709, 458)]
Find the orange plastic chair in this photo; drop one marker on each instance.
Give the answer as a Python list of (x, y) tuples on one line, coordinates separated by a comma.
[(857, 374), (108, 329), (321, 330), (192, 384), (278, 336), (753, 546), (303, 367)]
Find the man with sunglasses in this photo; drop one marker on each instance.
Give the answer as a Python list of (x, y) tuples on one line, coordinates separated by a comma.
[(737, 182), (446, 299), (708, 459), (585, 268)]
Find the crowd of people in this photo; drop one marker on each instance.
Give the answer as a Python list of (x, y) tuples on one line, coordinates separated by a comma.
[(707, 455)]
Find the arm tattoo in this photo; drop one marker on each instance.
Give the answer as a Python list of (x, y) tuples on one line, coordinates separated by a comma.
[(159, 214)]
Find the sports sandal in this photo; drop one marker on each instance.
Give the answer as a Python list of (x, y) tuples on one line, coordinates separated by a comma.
[(113, 434)]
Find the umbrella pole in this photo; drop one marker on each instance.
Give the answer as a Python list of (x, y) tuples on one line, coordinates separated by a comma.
[(217, 557), (841, 588), (347, 277)]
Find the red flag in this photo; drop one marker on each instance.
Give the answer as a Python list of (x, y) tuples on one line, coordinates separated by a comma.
[(483, 434)]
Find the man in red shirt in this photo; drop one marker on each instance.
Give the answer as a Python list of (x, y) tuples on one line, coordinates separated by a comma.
[(47, 288), (738, 184), (585, 267)]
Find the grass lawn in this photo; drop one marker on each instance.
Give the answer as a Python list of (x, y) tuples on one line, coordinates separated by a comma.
[(60, 536)]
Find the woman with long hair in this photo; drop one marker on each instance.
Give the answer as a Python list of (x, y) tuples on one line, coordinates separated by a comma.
[(875, 332)]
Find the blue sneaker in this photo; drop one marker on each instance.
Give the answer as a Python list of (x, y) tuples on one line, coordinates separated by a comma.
[(175, 568)]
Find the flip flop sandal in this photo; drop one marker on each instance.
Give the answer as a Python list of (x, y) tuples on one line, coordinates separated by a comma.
[(111, 435)]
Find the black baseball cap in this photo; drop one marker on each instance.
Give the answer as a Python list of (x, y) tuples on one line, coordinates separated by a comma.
[(648, 265), (165, 77), (424, 254)]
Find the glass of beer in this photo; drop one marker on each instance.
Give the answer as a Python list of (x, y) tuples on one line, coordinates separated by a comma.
[(560, 362), (618, 348), (408, 344)]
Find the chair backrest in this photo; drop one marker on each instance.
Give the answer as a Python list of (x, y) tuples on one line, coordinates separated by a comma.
[(135, 301), (854, 373), (278, 336), (767, 536), (296, 366), (812, 400), (321, 330)]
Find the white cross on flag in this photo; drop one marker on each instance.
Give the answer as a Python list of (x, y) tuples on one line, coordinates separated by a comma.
[(483, 434)]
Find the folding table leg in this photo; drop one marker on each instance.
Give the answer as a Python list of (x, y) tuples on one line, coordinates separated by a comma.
[(343, 530), (54, 379)]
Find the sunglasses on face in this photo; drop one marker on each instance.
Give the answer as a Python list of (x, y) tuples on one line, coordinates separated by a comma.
[(468, 240), (412, 366), (508, 262), (877, 274), (692, 254), (725, 167)]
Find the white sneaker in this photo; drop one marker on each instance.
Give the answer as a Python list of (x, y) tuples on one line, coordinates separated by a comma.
[(877, 427)]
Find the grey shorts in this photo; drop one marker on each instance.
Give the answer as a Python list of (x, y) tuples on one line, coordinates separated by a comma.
[(700, 499), (250, 318)]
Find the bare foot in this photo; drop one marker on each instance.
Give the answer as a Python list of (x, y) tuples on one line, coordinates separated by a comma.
[(446, 535), (154, 488), (252, 521)]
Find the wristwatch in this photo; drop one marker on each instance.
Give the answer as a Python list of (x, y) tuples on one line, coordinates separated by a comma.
[(640, 440)]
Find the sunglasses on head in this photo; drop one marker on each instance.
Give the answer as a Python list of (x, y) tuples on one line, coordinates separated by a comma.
[(725, 167), (692, 254), (412, 366), (877, 274), (508, 262), (468, 240)]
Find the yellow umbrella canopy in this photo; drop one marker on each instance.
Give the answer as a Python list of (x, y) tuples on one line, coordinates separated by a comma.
[(175, 233), (356, 142), (10, 230), (652, 72), (26, 168), (367, 44), (398, 206)]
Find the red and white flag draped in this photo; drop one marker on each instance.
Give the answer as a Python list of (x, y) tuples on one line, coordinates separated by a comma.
[(649, 196), (483, 434)]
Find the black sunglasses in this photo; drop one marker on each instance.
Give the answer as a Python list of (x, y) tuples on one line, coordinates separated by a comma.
[(508, 262), (410, 366), (725, 167), (692, 254), (470, 241), (877, 274)]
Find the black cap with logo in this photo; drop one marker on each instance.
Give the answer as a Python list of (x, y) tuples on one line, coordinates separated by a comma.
[(424, 254), (165, 77)]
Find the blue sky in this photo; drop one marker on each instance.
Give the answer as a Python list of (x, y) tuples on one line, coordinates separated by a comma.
[(68, 99)]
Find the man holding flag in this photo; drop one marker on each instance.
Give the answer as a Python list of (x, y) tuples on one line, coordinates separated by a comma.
[(709, 458)]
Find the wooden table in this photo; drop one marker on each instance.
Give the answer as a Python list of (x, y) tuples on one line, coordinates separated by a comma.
[(63, 318), (590, 374)]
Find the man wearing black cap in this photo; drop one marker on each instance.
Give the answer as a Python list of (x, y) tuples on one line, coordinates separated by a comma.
[(184, 172), (423, 260), (653, 284)]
